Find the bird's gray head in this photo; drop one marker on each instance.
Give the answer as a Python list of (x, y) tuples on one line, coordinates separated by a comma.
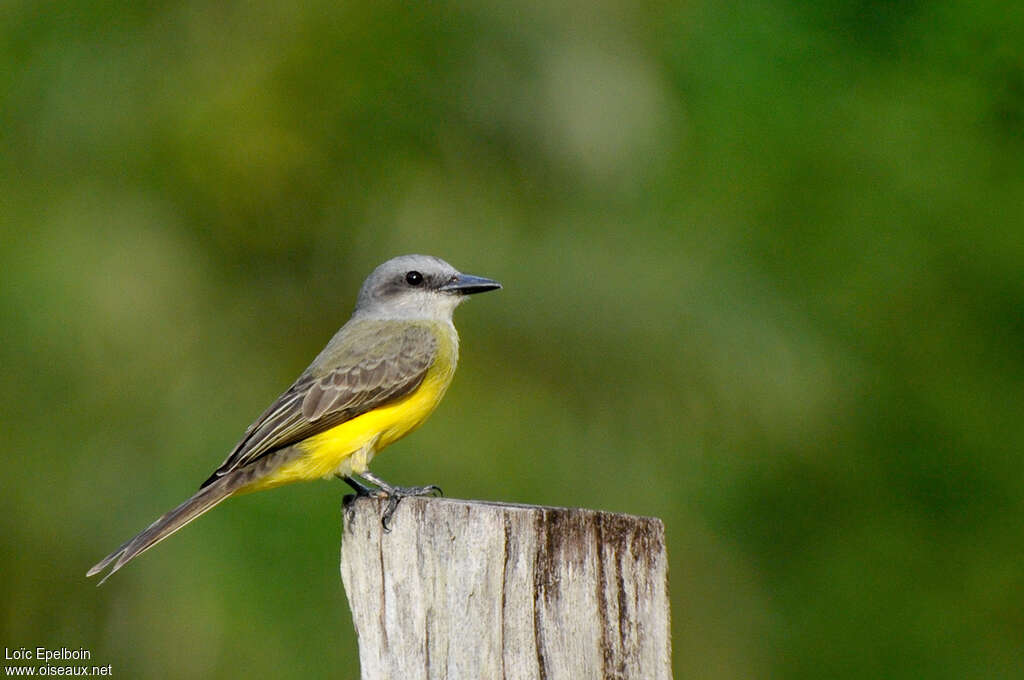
[(417, 287)]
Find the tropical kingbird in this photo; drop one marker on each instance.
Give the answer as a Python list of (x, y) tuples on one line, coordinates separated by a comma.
[(378, 379)]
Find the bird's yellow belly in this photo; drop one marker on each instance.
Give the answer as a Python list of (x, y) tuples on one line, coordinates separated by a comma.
[(348, 448)]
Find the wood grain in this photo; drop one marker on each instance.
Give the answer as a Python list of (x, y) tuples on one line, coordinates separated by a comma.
[(467, 589)]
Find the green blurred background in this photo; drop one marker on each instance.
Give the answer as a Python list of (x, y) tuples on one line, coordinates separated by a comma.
[(764, 279)]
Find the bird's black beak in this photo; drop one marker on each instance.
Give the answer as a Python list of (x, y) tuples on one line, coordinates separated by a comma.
[(467, 284)]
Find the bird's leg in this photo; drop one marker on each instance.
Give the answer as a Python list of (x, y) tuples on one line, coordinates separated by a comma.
[(391, 490), (362, 491), (395, 494), (360, 488)]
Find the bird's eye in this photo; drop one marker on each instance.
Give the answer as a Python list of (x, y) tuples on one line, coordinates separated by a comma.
[(414, 278)]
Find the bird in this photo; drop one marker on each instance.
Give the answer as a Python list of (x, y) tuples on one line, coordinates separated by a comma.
[(380, 376)]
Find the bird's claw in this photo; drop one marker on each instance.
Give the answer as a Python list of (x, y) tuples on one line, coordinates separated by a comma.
[(393, 494), (396, 493)]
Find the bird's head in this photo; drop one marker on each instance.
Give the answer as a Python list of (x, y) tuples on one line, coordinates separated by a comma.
[(417, 287)]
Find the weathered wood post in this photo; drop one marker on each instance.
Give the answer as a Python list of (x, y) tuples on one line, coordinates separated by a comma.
[(470, 590)]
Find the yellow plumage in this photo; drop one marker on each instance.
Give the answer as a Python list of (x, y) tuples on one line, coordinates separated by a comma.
[(348, 448)]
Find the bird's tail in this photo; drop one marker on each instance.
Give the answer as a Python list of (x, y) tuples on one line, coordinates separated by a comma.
[(205, 499)]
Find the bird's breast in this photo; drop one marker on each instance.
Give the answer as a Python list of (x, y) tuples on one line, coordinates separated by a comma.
[(394, 421), (348, 448)]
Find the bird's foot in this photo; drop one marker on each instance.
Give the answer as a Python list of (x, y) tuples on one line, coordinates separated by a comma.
[(393, 494)]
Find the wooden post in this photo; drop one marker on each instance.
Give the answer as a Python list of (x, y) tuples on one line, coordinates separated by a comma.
[(473, 590)]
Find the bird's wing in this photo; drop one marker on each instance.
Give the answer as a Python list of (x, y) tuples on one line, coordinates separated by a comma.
[(368, 365)]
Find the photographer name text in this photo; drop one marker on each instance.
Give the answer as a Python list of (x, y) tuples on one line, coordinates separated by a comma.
[(45, 654)]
